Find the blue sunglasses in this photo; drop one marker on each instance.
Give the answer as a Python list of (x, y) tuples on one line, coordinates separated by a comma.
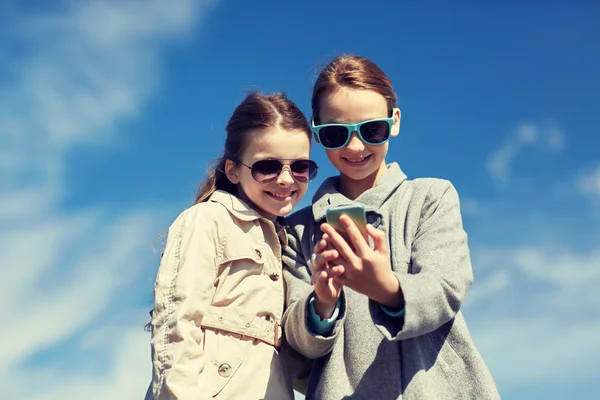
[(336, 136)]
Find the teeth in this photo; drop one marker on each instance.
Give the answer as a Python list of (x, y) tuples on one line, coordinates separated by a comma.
[(357, 160), (280, 195)]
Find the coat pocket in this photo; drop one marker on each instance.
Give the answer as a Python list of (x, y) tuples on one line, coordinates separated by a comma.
[(240, 255), (223, 359), (443, 353), (241, 248)]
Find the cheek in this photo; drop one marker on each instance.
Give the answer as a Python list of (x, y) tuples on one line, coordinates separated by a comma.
[(246, 177), (333, 155), (303, 188), (249, 184), (379, 151), (300, 193)]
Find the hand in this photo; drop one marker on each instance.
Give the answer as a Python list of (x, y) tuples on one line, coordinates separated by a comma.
[(366, 270), (327, 288)]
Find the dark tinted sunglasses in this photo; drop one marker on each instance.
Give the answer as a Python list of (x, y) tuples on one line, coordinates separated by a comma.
[(265, 171), (372, 132)]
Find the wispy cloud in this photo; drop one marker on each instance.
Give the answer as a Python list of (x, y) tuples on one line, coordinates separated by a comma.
[(536, 307), (470, 206), (527, 135), (588, 184), (82, 69), (473, 207), (489, 287)]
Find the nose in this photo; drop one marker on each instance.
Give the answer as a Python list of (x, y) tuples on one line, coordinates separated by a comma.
[(355, 144), (285, 178)]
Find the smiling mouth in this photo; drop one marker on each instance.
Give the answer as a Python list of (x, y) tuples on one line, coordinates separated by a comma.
[(280, 196), (357, 161)]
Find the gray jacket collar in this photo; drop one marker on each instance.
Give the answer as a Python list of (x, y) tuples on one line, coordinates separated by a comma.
[(328, 195)]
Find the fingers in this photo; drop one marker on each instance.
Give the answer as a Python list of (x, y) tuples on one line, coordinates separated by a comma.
[(378, 236), (333, 272), (327, 276), (327, 284), (319, 261), (357, 238), (336, 271), (339, 243), (323, 244), (320, 246), (327, 239)]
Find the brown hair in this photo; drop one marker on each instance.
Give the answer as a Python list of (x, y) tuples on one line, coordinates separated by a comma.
[(257, 111), (353, 72)]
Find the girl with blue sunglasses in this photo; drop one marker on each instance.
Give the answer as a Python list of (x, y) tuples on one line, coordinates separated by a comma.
[(380, 317)]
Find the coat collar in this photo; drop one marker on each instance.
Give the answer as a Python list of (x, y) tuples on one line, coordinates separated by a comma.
[(328, 196), (242, 211)]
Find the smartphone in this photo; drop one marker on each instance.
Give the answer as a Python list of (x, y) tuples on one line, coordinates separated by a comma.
[(356, 213)]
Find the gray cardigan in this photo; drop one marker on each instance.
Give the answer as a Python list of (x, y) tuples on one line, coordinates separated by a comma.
[(426, 354)]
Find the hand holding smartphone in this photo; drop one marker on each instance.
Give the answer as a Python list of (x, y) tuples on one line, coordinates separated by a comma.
[(356, 212)]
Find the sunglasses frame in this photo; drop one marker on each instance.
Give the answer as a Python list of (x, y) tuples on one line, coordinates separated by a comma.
[(353, 128), (283, 165)]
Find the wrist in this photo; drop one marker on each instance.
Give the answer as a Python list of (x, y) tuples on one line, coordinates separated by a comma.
[(323, 309), (391, 295)]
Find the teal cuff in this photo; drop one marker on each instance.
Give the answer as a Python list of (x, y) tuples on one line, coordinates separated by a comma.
[(392, 312), (318, 325)]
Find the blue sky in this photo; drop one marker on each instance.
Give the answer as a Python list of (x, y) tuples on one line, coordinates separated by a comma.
[(110, 111)]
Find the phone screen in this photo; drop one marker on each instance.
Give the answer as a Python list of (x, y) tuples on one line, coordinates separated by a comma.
[(356, 213)]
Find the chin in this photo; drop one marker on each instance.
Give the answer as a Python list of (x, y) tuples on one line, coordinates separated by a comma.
[(357, 175), (283, 211)]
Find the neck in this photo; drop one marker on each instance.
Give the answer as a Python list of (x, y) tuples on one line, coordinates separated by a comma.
[(353, 188)]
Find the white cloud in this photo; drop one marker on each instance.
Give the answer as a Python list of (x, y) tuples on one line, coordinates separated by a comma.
[(83, 68), (545, 136), (470, 206), (526, 351), (127, 378), (473, 207), (589, 184), (103, 259), (488, 288), (537, 307)]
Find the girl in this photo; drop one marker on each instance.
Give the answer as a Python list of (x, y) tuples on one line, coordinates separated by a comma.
[(219, 294), (381, 321)]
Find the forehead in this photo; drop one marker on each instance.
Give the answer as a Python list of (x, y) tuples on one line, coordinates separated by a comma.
[(276, 143), (351, 106)]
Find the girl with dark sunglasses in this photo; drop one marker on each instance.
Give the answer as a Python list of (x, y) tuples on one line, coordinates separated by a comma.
[(219, 292), (379, 316)]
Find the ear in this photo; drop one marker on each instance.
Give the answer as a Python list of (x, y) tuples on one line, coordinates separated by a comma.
[(313, 133), (396, 114), (231, 170)]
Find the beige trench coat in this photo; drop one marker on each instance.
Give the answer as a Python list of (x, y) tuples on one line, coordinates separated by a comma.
[(219, 298)]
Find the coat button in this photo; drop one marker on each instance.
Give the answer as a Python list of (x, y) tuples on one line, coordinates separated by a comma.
[(274, 277), (225, 370), (258, 253)]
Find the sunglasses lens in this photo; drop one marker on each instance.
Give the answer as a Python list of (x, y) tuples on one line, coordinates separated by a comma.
[(304, 170), (333, 136), (375, 132), (266, 170)]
